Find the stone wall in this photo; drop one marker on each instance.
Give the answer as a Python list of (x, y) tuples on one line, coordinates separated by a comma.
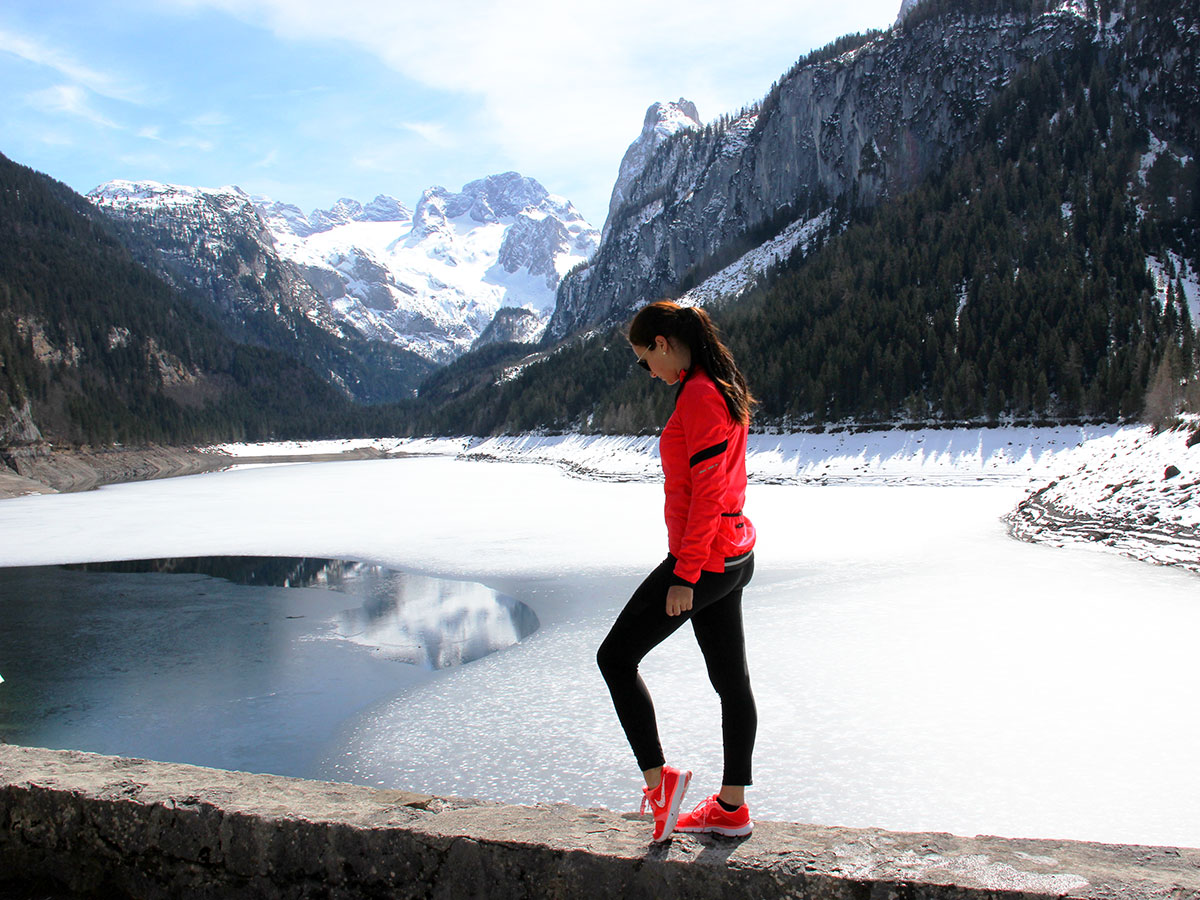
[(115, 827)]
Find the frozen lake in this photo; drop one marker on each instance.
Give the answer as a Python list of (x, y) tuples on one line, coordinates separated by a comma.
[(234, 662), (915, 668)]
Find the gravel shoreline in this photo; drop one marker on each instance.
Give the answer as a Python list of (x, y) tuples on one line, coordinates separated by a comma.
[(1038, 520), (38, 469)]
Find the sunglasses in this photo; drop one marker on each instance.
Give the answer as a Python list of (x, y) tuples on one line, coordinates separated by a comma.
[(641, 360)]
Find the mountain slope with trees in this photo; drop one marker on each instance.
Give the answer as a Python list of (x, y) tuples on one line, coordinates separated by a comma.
[(96, 349)]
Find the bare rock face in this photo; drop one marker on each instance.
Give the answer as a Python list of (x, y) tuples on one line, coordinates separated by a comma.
[(17, 426), (864, 126), (430, 216), (491, 199), (534, 242)]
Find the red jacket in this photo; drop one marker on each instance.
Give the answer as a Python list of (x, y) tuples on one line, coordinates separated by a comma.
[(703, 453)]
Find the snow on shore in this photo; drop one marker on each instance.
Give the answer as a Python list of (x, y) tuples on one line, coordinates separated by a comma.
[(1132, 491), (926, 456)]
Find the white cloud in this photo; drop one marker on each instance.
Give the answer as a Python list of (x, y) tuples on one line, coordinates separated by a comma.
[(70, 99), (187, 142), (102, 83), (212, 119), (193, 143), (55, 139), (432, 132), (563, 86)]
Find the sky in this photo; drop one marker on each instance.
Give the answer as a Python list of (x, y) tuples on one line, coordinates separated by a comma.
[(307, 101)]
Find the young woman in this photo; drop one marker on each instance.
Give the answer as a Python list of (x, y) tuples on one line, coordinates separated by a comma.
[(703, 453)]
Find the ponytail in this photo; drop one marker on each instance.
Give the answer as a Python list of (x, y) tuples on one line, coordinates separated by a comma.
[(696, 329)]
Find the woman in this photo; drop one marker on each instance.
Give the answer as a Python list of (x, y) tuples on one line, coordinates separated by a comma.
[(703, 454)]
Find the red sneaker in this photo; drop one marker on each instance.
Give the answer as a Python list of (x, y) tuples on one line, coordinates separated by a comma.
[(711, 816), (664, 801)]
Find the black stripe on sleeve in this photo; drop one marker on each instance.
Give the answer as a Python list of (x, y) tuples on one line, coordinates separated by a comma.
[(708, 453)]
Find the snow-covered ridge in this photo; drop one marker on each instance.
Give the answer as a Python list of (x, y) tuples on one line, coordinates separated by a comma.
[(285, 217), (159, 194)]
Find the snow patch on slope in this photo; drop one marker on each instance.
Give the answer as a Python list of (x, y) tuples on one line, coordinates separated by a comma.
[(736, 278), (1172, 272)]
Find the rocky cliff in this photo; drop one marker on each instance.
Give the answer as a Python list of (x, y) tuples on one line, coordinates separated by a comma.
[(861, 127)]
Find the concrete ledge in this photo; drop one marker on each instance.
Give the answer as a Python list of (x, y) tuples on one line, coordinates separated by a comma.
[(126, 827)]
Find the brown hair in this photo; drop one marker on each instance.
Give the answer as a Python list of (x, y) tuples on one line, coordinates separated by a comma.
[(697, 330)]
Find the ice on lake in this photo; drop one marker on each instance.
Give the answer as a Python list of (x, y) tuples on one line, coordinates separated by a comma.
[(915, 668)]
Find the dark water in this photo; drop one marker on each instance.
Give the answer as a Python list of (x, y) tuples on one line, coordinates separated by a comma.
[(234, 662)]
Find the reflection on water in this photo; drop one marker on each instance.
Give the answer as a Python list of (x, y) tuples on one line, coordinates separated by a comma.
[(234, 662), (430, 621), (416, 619)]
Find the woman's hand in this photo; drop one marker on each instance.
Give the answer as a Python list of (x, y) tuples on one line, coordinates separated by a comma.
[(679, 599)]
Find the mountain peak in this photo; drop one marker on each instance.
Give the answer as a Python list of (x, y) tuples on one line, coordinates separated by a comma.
[(497, 196), (669, 117), (662, 120), (288, 218)]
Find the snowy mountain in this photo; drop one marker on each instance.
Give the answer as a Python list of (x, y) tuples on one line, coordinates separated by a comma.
[(432, 281), (427, 281)]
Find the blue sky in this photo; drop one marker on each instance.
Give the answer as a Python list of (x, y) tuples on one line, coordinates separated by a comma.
[(307, 101)]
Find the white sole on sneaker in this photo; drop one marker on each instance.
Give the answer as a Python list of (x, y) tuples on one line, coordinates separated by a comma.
[(673, 811), (732, 832)]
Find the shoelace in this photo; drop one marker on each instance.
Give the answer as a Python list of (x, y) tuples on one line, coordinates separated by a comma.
[(646, 794)]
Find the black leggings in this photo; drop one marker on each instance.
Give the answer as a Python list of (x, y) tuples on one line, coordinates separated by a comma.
[(716, 616)]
